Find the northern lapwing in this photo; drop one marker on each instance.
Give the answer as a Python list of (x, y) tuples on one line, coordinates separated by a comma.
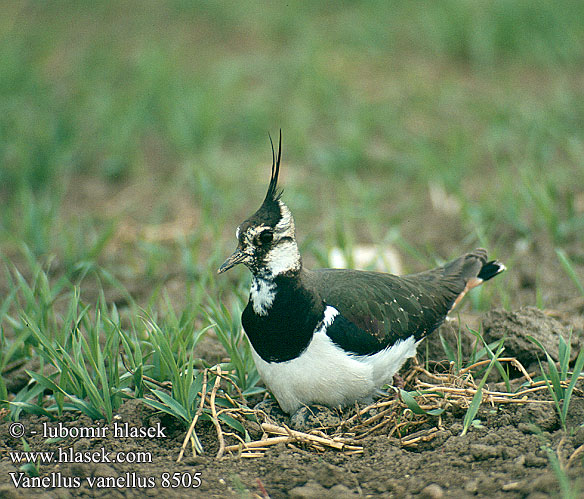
[(333, 336)]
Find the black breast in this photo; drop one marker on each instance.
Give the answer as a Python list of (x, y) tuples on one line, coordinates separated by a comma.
[(285, 332)]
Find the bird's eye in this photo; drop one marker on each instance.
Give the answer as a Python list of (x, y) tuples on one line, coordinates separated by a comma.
[(265, 237)]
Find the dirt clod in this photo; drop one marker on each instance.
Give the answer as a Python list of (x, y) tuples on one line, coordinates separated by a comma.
[(517, 325), (481, 452), (310, 490), (432, 491)]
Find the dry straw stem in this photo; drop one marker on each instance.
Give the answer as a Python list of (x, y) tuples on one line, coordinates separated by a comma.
[(566, 463), (210, 400), (214, 417), (214, 414), (195, 419), (419, 436), (464, 395), (511, 360), (460, 388), (234, 384), (575, 454), (390, 414), (285, 435)]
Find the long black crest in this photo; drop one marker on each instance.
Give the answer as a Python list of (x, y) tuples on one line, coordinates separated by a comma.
[(274, 193)]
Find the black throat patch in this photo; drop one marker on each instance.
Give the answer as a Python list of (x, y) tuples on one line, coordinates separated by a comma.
[(287, 329)]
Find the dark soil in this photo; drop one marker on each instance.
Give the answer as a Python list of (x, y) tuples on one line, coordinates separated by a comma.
[(506, 454)]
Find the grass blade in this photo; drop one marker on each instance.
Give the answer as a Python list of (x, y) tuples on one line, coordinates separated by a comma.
[(477, 399), (414, 406), (567, 264), (578, 366), (28, 407)]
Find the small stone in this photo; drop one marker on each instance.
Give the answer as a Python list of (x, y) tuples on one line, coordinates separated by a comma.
[(541, 418), (310, 490), (328, 475), (510, 452), (472, 486), (341, 491), (396, 487), (526, 428), (456, 429), (79, 469), (533, 461), (102, 469), (481, 451), (194, 460), (432, 491), (82, 444), (511, 486)]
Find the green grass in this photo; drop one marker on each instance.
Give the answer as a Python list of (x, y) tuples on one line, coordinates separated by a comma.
[(134, 140), (477, 399), (570, 270), (561, 386), (569, 488), (91, 358)]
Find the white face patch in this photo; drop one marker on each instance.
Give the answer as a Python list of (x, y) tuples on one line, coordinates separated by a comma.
[(280, 256), (262, 294), (286, 224), (283, 257)]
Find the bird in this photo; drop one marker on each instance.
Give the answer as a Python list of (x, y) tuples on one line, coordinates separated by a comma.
[(335, 336)]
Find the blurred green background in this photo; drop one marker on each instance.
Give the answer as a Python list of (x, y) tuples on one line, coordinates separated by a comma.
[(134, 134)]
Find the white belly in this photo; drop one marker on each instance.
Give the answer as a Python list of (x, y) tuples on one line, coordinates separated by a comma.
[(326, 374)]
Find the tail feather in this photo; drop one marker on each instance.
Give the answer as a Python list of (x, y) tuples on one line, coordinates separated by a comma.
[(467, 266), (490, 270), (473, 275)]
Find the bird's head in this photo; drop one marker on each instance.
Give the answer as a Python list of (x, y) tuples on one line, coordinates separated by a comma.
[(267, 240)]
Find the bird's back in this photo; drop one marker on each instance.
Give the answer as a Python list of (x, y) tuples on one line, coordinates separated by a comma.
[(388, 307)]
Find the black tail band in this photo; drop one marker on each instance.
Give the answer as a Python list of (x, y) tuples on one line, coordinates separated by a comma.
[(490, 269)]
